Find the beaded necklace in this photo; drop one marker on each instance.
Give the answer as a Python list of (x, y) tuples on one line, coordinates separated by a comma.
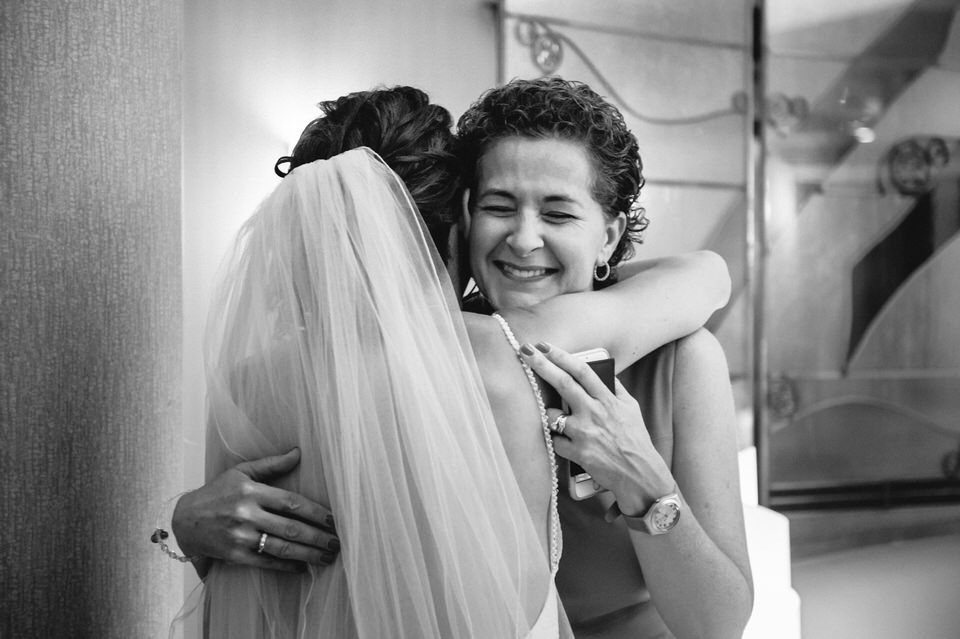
[(556, 537)]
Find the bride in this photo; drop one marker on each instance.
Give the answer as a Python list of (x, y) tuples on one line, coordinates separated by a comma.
[(335, 329)]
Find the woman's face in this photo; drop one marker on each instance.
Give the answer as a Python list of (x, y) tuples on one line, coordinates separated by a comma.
[(535, 230)]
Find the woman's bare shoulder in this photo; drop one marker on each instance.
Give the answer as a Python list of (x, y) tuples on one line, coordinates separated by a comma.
[(495, 356), (700, 348), (486, 336), (702, 395)]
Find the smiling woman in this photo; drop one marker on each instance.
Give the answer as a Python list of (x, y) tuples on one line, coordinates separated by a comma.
[(535, 229), (556, 175), (558, 169)]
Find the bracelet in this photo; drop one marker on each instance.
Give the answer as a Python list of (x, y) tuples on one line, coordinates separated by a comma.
[(160, 536)]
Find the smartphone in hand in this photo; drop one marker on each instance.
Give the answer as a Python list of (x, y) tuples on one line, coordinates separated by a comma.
[(580, 484)]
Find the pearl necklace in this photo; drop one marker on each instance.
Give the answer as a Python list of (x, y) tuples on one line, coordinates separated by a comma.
[(556, 537)]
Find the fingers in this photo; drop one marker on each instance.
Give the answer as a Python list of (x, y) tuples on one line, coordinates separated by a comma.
[(572, 393), (271, 467), (289, 543), (570, 372), (276, 555), (570, 429), (578, 368), (284, 502), (298, 528), (298, 532), (565, 448), (287, 551)]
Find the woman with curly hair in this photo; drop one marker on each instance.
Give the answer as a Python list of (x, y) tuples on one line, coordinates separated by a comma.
[(551, 209)]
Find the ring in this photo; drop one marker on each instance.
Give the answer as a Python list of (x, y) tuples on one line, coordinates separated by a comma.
[(263, 542), (559, 424)]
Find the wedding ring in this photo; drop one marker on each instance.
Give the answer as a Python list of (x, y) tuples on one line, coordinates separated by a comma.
[(559, 424), (263, 542)]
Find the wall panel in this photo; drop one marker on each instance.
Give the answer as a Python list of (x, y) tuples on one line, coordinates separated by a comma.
[(90, 314)]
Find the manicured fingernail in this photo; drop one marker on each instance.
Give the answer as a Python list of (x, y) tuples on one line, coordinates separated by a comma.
[(543, 347), (328, 521), (327, 558), (333, 544), (527, 350)]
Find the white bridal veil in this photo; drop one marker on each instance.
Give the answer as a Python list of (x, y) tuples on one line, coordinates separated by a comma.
[(336, 329)]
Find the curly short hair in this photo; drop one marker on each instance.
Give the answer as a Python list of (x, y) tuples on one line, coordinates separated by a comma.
[(413, 136), (555, 108)]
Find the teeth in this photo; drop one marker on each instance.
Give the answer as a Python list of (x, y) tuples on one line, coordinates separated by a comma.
[(523, 272)]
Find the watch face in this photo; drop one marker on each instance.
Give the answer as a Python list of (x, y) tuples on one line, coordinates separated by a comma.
[(665, 516)]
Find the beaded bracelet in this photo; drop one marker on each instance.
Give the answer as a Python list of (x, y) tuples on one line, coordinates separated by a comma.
[(160, 536)]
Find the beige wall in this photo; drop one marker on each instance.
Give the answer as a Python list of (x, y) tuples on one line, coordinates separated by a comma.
[(90, 315)]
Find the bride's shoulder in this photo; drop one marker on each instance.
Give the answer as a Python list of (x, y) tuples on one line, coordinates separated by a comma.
[(490, 346), (484, 332)]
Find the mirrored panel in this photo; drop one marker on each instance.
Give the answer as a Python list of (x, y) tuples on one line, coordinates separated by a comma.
[(863, 254)]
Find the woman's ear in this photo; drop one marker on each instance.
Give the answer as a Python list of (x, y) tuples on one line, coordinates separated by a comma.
[(612, 234), (465, 213)]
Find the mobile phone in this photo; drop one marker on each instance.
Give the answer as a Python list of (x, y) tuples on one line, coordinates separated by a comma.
[(580, 484)]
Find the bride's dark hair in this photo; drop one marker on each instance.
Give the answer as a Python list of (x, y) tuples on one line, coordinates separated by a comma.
[(412, 136)]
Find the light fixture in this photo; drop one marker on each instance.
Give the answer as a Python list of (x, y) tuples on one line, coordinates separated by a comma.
[(864, 134)]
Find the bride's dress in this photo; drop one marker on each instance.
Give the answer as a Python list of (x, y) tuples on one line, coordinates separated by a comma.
[(548, 625), (336, 329)]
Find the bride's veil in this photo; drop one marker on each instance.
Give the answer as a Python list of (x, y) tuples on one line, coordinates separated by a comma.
[(335, 329)]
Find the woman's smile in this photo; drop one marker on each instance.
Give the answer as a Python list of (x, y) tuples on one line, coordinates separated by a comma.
[(520, 273)]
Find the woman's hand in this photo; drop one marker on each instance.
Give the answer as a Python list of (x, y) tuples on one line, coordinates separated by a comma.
[(604, 432), (698, 575), (225, 518)]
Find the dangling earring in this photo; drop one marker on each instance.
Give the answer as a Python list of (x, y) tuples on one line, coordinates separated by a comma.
[(606, 272)]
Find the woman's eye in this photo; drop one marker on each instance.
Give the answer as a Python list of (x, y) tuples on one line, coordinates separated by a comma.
[(558, 217), (499, 210)]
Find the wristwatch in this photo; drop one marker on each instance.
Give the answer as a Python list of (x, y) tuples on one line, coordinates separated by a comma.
[(660, 518)]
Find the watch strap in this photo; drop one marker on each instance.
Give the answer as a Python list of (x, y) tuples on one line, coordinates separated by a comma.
[(637, 523)]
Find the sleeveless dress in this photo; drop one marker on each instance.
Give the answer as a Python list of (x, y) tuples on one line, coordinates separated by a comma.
[(600, 580)]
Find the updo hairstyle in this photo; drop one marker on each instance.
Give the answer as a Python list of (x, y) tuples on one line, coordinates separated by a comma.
[(412, 136)]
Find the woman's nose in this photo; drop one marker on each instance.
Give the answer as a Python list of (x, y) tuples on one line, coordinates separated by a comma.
[(524, 237)]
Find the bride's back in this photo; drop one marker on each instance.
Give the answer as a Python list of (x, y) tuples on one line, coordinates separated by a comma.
[(517, 416), (414, 137)]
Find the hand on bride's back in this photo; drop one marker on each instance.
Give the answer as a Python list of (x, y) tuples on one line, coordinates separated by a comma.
[(226, 518)]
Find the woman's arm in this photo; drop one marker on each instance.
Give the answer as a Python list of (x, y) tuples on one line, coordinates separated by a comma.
[(704, 559), (698, 573), (656, 302)]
